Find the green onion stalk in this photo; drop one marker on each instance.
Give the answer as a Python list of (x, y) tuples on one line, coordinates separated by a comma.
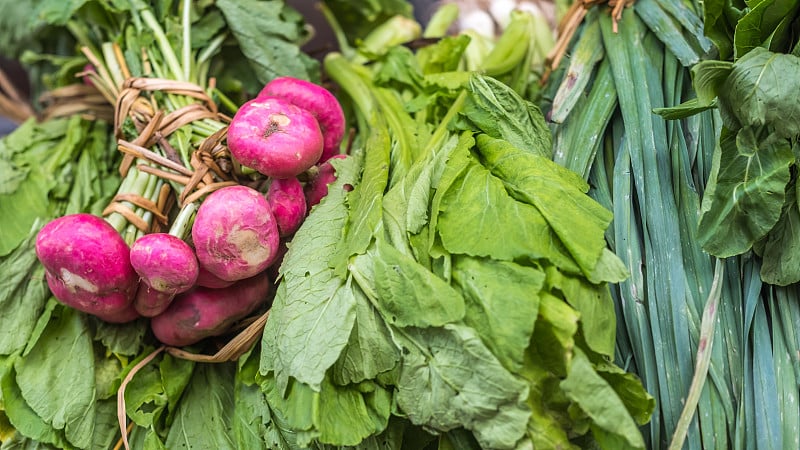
[(111, 69)]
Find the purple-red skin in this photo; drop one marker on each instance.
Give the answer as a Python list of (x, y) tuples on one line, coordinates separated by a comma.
[(318, 101), (166, 266), (235, 234), (205, 312), (209, 280), (317, 187), (288, 203), (275, 137), (87, 265)]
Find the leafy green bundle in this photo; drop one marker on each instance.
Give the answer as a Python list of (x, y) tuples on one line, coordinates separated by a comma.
[(454, 281), (751, 201), (656, 175)]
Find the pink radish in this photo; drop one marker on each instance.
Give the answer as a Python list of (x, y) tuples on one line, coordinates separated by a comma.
[(204, 312), (88, 266), (317, 187), (166, 266), (288, 204), (318, 101), (235, 234), (209, 280), (275, 137)]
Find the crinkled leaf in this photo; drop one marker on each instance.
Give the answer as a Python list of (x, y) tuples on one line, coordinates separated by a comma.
[(597, 399), (449, 379), (313, 312), (759, 92), (57, 377), (745, 193), (502, 302), (123, 339), (269, 33), (145, 399), (558, 193), (370, 350), (477, 201), (411, 295), (203, 418), (494, 108)]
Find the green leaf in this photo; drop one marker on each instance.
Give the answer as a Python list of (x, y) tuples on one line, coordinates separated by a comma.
[(612, 425), (501, 113), (708, 78), (123, 339), (366, 199), (269, 35), (781, 254), (370, 350), (449, 378), (639, 403), (57, 377), (203, 418), (477, 201), (759, 23), (23, 295), (145, 399), (336, 415), (313, 312), (744, 196), (409, 294), (595, 306), (557, 193), (758, 92), (443, 56), (554, 335), (502, 302), (251, 415), (23, 418)]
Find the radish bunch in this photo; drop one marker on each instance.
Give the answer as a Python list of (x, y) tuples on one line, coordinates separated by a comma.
[(191, 289)]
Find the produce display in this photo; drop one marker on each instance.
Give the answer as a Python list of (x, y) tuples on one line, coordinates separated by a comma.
[(475, 230)]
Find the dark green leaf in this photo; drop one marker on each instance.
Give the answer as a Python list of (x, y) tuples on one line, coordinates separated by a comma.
[(758, 92), (781, 253), (743, 199), (269, 36)]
